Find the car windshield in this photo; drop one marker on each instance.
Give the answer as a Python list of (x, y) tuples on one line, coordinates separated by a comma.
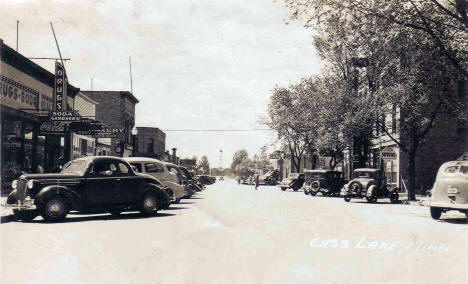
[(75, 167), (359, 174)]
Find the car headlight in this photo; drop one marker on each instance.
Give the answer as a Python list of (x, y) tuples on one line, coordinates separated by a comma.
[(14, 184), (30, 184)]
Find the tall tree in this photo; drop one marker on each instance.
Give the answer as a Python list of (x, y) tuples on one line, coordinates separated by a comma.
[(204, 164)]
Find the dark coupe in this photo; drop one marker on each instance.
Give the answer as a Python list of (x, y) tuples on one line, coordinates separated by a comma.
[(91, 185)]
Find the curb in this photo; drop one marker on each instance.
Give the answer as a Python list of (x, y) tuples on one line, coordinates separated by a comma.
[(413, 202)]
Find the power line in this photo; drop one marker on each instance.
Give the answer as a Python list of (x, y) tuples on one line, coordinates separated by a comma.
[(217, 130)]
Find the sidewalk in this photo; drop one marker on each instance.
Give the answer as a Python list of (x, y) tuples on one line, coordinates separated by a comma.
[(420, 200)]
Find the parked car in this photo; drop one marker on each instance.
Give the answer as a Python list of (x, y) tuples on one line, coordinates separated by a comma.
[(181, 178), (450, 190), (205, 179), (247, 180), (192, 182), (294, 181), (270, 178), (327, 182), (370, 184), (158, 169), (89, 185)]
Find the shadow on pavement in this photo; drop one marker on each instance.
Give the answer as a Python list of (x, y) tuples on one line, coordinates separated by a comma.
[(8, 219), (196, 198), (460, 220), (72, 219), (176, 208)]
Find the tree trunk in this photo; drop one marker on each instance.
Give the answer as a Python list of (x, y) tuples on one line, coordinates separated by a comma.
[(332, 162), (412, 173)]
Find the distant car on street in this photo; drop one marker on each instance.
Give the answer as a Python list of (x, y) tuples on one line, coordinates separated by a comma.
[(247, 180), (370, 184), (89, 185), (294, 181), (158, 169), (327, 182), (270, 178), (205, 179), (450, 190)]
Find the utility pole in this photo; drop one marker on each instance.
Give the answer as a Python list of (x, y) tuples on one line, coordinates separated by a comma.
[(17, 34), (131, 80)]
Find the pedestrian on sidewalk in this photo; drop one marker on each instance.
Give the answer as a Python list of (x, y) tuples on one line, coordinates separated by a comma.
[(256, 177)]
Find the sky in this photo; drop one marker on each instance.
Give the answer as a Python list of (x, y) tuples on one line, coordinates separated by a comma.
[(196, 64)]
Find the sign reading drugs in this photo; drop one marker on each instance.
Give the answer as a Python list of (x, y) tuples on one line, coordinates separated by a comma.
[(59, 87)]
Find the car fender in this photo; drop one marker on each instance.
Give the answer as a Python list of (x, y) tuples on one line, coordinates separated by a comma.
[(158, 191), (370, 190), (51, 190)]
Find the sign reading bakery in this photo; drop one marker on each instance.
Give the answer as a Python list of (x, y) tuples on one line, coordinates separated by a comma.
[(21, 91)]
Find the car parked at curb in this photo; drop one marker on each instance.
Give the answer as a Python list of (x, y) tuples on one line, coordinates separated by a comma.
[(294, 181), (191, 180), (270, 178), (88, 185), (158, 170), (181, 179), (450, 190), (370, 184), (327, 182)]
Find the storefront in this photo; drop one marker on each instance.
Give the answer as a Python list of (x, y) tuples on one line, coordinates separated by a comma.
[(26, 92)]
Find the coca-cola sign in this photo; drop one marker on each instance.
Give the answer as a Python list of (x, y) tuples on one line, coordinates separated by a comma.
[(52, 127)]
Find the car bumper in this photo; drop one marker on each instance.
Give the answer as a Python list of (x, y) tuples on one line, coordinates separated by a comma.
[(28, 204), (455, 206)]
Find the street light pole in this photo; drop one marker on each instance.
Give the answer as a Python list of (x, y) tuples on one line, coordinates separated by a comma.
[(134, 135)]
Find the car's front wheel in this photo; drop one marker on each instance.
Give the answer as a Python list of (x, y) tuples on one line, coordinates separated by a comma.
[(306, 192), (436, 213), (347, 198), (55, 209), (283, 188), (149, 204)]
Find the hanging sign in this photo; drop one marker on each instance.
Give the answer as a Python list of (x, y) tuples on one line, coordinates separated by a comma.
[(389, 154), (59, 87), (70, 115)]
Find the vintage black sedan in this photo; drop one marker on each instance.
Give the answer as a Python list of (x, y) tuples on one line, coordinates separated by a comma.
[(327, 182), (89, 185)]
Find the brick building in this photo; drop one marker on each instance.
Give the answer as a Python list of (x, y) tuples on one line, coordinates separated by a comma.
[(150, 142), (116, 109)]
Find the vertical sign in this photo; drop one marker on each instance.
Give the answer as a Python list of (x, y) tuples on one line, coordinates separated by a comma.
[(59, 87)]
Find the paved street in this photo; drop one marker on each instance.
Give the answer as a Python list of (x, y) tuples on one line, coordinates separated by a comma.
[(232, 234)]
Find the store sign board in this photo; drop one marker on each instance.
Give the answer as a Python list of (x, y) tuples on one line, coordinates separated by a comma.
[(59, 87), (52, 127), (389, 154), (70, 115)]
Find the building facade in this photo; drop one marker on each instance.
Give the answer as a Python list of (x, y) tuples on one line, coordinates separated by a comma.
[(28, 138), (446, 141), (116, 109), (150, 142)]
